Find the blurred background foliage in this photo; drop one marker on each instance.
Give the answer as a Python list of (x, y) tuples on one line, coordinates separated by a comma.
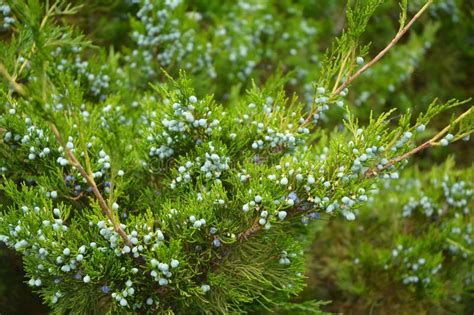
[(351, 263), (409, 252)]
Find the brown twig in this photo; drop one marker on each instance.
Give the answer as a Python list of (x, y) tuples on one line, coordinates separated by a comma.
[(382, 53), (431, 142), (76, 198), (379, 56), (16, 86), (250, 231), (421, 147), (90, 180)]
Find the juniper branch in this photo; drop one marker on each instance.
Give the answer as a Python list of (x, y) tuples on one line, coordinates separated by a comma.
[(250, 231), (256, 227), (16, 86), (90, 180), (51, 11), (393, 42), (382, 53), (429, 143)]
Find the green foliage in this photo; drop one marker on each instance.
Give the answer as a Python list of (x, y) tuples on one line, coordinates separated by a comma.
[(178, 171), (414, 239)]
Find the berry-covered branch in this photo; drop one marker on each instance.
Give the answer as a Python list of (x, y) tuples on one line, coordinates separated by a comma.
[(90, 180), (193, 194)]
